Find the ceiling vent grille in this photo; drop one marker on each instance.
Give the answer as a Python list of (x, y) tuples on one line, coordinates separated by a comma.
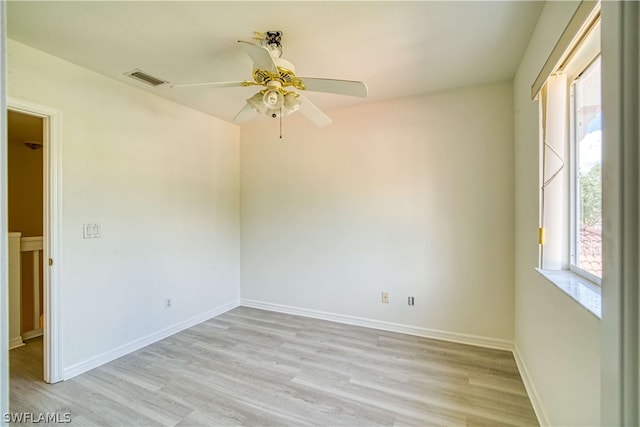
[(145, 78)]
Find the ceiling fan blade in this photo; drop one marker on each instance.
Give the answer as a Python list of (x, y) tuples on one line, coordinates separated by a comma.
[(214, 84), (341, 87), (260, 56), (244, 115), (313, 113)]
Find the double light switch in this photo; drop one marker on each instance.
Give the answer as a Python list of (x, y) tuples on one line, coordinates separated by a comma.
[(91, 231)]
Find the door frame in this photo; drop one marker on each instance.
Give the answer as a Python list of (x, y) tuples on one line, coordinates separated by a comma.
[(52, 232), (620, 326), (4, 262)]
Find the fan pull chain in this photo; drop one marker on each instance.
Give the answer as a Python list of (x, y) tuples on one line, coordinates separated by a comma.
[(280, 122)]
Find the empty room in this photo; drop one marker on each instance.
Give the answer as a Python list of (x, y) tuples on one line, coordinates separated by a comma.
[(320, 213)]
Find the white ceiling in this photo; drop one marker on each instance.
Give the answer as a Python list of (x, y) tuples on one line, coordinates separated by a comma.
[(398, 48)]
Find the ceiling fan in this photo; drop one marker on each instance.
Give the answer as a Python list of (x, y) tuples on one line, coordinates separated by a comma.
[(278, 77)]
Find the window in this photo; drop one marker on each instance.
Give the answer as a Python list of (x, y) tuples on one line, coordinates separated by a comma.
[(571, 157), (586, 173), (568, 89)]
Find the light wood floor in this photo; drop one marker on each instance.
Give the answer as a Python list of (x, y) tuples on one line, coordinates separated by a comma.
[(252, 367)]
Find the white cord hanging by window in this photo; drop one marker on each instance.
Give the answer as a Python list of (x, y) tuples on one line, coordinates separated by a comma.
[(553, 103)]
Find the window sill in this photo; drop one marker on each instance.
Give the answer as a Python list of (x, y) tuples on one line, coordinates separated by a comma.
[(581, 290)]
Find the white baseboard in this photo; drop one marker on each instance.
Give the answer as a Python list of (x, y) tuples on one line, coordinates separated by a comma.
[(15, 343), (32, 334), (107, 357), (382, 325), (531, 390)]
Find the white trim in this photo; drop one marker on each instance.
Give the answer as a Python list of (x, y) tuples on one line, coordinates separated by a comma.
[(475, 340), (4, 259), (36, 288), (585, 275), (52, 234), (543, 420), (34, 333), (574, 205), (132, 346), (15, 343), (30, 244), (620, 342), (579, 289), (15, 290), (582, 19)]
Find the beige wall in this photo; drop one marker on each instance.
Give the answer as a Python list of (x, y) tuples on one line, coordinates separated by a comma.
[(162, 180), (412, 196)]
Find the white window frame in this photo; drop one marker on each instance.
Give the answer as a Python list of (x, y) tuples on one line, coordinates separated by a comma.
[(575, 68), (572, 54)]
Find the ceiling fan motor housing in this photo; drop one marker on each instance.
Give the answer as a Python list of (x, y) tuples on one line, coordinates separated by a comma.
[(286, 75)]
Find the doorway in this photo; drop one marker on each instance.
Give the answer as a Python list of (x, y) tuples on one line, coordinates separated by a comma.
[(34, 134), (25, 136)]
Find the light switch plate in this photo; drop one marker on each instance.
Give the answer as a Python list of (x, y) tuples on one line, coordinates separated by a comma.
[(91, 231)]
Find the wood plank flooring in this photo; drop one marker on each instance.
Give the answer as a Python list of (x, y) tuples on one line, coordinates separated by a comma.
[(251, 367)]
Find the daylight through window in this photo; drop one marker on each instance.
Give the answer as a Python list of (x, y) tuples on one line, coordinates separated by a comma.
[(586, 174)]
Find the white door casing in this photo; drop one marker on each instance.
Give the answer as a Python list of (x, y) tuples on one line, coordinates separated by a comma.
[(52, 146)]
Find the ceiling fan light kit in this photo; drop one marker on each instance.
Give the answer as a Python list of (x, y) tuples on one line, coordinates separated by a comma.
[(279, 96)]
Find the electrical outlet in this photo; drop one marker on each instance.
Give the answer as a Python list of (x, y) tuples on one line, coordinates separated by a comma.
[(168, 304), (385, 297), (410, 301)]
